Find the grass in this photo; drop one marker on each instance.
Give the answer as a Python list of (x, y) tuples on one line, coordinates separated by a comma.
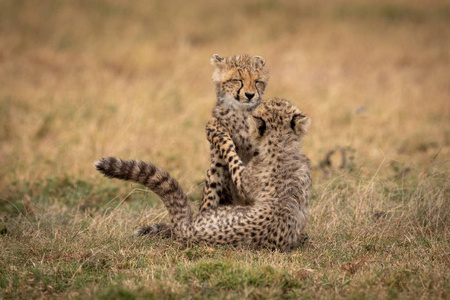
[(81, 80)]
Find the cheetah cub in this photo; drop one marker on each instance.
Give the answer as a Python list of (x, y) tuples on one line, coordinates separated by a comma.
[(277, 180), (240, 81)]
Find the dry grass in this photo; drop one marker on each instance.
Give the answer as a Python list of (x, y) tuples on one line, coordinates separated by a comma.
[(84, 79)]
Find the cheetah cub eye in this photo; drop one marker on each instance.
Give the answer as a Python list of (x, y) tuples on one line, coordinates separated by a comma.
[(259, 83)]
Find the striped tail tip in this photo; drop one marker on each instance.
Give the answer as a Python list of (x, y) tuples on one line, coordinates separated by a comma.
[(106, 166)]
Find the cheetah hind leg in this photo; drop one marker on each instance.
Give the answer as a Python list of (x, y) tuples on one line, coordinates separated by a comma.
[(161, 230)]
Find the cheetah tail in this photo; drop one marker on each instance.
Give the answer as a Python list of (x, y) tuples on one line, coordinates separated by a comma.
[(153, 177)]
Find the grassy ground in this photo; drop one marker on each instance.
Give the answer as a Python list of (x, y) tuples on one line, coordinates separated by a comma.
[(80, 80)]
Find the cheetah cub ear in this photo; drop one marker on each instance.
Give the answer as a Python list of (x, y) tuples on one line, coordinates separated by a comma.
[(216, 60), (257, 126), (259, 61), (300, 124)]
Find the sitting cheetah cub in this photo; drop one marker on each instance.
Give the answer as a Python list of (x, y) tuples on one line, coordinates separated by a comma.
[(240, 82), (277, 180)]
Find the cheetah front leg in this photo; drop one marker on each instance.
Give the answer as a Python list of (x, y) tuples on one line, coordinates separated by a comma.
[(213, 190), (219, 137)]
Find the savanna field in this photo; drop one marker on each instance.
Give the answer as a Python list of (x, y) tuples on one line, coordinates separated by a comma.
[(80, 80)]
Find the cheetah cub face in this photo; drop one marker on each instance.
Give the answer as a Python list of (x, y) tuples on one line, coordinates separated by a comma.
[(277, 122), (240, 79)]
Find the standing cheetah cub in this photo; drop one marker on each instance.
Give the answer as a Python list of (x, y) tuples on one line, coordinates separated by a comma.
[(278, 180), (240, 83)]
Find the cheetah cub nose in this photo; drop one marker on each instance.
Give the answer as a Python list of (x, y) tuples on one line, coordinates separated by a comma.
[(249, 96)]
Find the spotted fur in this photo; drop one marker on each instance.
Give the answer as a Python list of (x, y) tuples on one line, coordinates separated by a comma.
[(240, 83), (277, 180), (276, 128)]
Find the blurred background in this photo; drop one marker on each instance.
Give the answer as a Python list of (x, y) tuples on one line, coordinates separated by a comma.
[(84, 79)]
